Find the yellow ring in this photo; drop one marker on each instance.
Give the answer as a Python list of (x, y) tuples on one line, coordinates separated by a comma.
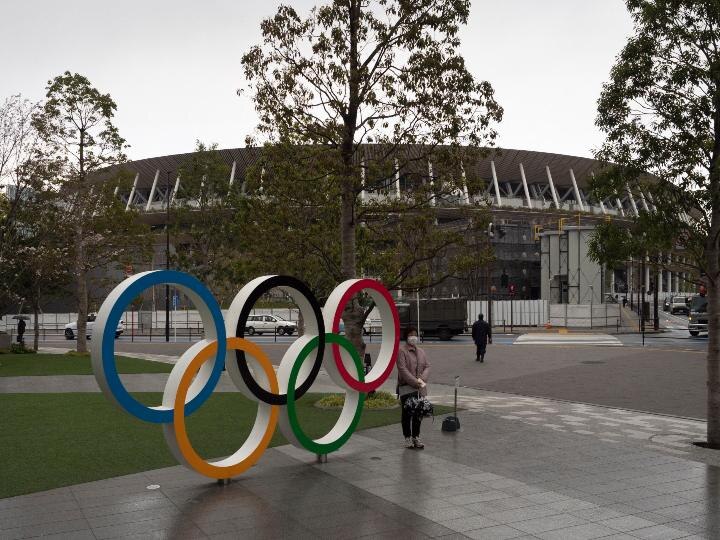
[(184, 445)]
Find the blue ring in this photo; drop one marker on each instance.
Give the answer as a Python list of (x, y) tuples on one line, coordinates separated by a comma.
[(122, 396)]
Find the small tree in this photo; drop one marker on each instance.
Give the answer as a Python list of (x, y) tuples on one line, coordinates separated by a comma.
[(19, 145), (387, 73), (75, 123), (661, 115), (37, 266), (203, 220)]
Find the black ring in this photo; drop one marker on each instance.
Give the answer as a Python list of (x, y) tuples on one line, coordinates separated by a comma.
[(270, 283)]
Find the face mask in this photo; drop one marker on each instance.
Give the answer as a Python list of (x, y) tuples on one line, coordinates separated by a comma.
[(412, 340)]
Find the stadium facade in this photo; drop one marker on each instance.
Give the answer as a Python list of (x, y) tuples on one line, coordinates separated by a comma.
[(542, 214)]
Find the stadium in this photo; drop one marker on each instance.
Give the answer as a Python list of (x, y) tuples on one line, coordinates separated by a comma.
[(542, 217)]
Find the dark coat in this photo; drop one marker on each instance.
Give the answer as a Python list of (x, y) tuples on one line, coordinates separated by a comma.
[(481, 332)]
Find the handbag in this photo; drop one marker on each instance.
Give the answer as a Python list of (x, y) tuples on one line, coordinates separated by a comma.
[(418, 406)]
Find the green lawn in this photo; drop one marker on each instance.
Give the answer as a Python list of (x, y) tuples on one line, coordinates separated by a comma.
[(13, 365), (53, 440)]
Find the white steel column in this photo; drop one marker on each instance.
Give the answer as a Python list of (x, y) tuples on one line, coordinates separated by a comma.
[(602, 204), (232, 173), (363, 193), (525, 186), (152, 190), (432, 184), (668, 262), (652, 202), (397, 181), (498, 200), (632, 199), (659, 274), (466, 194), (644, 202), (175, 190), (132, 192), (646, 285), (619, 206), (577, 191), (552, 187)]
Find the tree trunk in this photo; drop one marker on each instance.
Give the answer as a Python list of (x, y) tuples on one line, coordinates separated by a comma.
[(353, 313), (656, 312), (81, 290), (712, 252), (713, 351)]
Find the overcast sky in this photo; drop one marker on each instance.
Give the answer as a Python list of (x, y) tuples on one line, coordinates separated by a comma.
[(173, 66)]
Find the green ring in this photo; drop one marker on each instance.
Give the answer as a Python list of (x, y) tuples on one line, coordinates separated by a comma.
[(306, 441)]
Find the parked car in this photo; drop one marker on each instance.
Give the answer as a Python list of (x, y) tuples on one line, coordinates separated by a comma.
[(698, 318), (269, 324), (71, 328), (372, 326), (679, 304)]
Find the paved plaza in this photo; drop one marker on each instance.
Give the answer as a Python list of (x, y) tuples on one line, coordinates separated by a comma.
[(519, 468), (551, 460)]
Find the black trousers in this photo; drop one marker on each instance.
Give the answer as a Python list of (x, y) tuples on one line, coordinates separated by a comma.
[(481, 348), (410, 423)]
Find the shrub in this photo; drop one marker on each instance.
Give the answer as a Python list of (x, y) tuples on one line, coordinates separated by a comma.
[(378, 400), (19, 348)]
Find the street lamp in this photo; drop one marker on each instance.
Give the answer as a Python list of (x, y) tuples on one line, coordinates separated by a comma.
[(167, 254), (493, 289)]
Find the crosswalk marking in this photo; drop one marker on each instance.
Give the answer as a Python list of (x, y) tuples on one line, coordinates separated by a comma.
[(568, 339)]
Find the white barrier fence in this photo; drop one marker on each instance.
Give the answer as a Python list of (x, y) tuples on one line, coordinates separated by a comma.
[(530, 313), (585, 315), (186, 318), (510, 312)]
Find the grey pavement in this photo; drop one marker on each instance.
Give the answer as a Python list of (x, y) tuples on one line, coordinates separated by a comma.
[(498, 478), (666, 381)]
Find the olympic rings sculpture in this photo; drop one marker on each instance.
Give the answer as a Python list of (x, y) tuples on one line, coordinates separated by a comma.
[(198, 370)]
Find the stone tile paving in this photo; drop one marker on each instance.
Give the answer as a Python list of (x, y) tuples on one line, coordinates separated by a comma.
[(668, 434), (520, 468)]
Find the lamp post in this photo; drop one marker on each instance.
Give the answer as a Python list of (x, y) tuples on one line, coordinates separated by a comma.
[(493, 289), (642, 305), (167, 254)]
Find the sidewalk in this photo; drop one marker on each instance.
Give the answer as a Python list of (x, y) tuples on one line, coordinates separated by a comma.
[(520, 468)]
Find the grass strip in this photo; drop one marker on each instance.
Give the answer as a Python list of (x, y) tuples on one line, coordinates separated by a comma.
[(54, 440), (14, 365)]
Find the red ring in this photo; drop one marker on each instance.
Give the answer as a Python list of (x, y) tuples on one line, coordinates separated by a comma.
[(356, 287)]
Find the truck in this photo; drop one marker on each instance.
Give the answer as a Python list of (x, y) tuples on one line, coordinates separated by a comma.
[(698, 316), (439, 317)]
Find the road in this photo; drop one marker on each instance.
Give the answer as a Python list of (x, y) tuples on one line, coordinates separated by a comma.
[(666, 376)]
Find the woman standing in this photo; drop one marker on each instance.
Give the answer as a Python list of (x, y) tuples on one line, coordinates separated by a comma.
[(413, 370)]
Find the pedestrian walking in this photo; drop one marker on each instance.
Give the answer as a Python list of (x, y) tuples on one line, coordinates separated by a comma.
[(482, 335), (413, 370), (20, 330)]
